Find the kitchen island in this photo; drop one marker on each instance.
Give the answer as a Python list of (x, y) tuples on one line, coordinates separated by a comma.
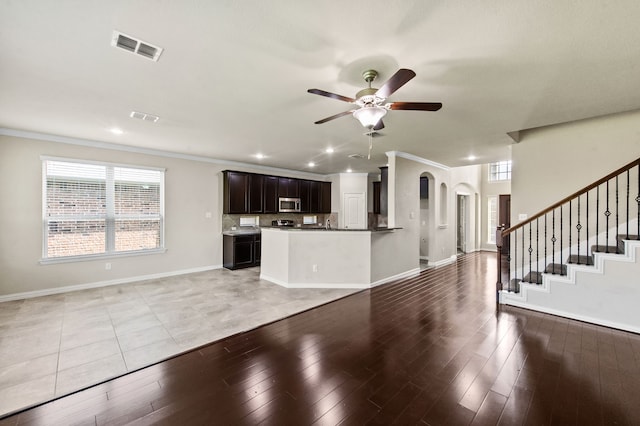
[(330, 258)]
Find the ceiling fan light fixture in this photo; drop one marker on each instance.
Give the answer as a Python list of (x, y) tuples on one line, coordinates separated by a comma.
[(369, 116)]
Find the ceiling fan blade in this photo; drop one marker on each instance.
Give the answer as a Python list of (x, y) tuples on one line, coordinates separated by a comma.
[(333, 117), (399, 79), (330, 95), (379, 126), (417, 106)]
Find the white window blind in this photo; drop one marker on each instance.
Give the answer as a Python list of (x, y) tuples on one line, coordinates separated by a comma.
[(101, 209)]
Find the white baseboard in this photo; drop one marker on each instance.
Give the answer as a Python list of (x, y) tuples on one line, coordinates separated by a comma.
[(564, 314), (98, 284), (313, 285), (446, 261), (359, 286), (401, 275)]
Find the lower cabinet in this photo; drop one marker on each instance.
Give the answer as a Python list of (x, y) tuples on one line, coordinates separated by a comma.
[(241, 251)]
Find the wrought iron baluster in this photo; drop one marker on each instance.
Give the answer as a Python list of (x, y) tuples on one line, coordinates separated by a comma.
[(553, 240), (522, 254), (561, 238), (545, 240), (537, 248), (586, 249), (570, 218), (597, 215), (615, 236), (607, 213), (627, 204), (530, 251), (515, 257), (578, 227)]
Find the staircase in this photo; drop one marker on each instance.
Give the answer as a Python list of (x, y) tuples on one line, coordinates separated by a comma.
[(580, 257)]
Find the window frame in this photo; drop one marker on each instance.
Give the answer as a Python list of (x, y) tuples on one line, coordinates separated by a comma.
[(495, 174), (492, 218), (110, 216)]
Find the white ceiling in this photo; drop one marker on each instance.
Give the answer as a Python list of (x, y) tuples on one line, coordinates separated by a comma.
[(233, 78)]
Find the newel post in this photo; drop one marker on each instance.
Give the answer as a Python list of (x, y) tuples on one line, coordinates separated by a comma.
[(499, 230)]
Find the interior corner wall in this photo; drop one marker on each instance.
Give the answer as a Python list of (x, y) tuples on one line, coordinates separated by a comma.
[(551, 163)]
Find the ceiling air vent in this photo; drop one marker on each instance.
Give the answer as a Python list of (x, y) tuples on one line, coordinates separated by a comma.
[(356, 156), (144, 116), (136, 46)]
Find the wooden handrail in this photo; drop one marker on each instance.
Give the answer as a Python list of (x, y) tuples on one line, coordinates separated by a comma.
[(572, 196)]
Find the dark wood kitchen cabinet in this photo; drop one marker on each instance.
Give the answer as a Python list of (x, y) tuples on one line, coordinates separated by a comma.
[(376, 197), (288, 187), (252, 193), (236, 193), (270, 191), (241, 251), (325, 197), (256, 194), (304, 189)]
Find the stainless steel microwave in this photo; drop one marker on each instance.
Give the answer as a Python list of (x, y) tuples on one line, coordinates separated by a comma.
[(288, 205)]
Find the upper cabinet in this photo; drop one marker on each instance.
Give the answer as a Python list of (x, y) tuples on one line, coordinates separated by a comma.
[(270, 191), (251, 193), (236, 191), (288, 187)]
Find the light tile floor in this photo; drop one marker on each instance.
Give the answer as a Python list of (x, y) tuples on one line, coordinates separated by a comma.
[(54, 345)]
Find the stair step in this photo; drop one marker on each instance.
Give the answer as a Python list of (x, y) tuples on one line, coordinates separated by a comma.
[(556, 268), (533, 278), (606, 249), (580, 260), (514, 286)]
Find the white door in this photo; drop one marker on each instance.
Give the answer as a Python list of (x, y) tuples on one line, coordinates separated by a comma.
[(355, 213)]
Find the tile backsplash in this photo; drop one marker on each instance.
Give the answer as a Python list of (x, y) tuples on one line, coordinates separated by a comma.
[(233, 220)]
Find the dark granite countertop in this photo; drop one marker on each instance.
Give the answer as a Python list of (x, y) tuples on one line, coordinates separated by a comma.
[(318, 228)]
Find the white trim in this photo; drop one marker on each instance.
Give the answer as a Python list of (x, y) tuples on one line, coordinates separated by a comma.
[(313, 285), (571, 315), (98, 284), (359, 286), (148, 151), (446, 261), (409, 273), (417, 159), (100, 256)]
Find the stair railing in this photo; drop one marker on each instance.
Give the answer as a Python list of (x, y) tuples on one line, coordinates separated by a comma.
[(571, 230)]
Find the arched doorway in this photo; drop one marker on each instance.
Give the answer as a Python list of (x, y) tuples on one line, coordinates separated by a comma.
[(427, 216)]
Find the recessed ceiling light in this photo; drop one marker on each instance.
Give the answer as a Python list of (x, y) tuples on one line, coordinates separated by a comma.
[(349, 170), (311, 164), (471, 157), (329, 150), (116, 131), (259, 156)]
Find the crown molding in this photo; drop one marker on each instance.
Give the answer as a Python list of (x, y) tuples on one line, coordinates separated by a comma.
[(416, 159), (149, 151)]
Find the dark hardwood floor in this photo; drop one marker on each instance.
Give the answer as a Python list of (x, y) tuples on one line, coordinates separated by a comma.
[(426, 350)]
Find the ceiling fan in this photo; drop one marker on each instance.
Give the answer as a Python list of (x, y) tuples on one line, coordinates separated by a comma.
[(370, 102)]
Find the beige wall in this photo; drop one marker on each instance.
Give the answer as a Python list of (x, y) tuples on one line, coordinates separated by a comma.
[(553, 162), (192, 241), (405, 178)]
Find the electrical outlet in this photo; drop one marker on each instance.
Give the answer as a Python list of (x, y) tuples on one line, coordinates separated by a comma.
[(107, 266), (315, 268)]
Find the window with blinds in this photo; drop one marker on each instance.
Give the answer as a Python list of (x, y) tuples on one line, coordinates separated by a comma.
[(93, 209)]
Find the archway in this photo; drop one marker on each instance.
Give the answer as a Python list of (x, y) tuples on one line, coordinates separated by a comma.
[(427, 216)]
